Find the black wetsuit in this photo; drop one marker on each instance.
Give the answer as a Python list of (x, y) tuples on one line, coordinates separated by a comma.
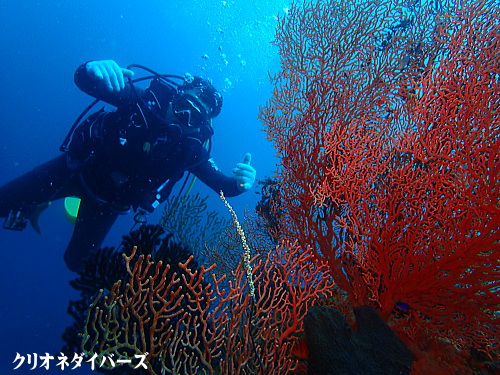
[(115, 161)]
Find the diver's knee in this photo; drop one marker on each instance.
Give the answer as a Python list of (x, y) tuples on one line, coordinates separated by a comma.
[(73, 262)]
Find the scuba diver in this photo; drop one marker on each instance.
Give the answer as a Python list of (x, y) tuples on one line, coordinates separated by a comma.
[(127, 159)]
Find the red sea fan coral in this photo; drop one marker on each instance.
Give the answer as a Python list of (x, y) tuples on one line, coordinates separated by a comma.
[(386, 119)]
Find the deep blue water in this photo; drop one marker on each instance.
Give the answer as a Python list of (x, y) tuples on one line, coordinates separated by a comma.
[(41, 45)]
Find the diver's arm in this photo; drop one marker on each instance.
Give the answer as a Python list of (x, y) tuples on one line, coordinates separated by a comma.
[(207, 172), (104, 88), (211, 176)]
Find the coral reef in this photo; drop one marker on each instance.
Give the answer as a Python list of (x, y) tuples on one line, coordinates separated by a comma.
[(161, 313), (151, 297), (188, 326), (106, 268), (385, 118)]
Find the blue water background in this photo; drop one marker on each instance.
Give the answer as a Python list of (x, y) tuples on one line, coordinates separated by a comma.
[(41, 44)]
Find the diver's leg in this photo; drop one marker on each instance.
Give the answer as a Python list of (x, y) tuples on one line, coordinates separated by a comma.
[(36, 187), (93, 223)]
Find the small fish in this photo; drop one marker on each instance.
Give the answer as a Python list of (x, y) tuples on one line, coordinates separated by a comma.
[(300, 349), (403, 63), (402, 308)]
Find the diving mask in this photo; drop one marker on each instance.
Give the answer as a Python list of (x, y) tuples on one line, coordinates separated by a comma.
[(189, 111)]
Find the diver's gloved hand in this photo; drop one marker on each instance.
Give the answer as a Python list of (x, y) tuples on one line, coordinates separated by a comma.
[(244, 173), (109, 72)]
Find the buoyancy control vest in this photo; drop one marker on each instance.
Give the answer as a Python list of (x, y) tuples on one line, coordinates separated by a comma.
[(127, 156)]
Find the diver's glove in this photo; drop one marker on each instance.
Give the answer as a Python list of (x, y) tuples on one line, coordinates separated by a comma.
[(108, 71), (244, 173)]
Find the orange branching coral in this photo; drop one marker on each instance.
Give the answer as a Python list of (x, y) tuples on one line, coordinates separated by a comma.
[(186, 325), (287, 283), (386, 118), (176, 320)]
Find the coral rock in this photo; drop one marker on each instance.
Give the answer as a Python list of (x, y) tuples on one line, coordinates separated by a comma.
[(335, 349)]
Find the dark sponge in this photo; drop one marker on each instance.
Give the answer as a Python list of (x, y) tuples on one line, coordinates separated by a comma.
[(335, 349)]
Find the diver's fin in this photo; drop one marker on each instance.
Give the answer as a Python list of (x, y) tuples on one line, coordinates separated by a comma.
[(35, 216)]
